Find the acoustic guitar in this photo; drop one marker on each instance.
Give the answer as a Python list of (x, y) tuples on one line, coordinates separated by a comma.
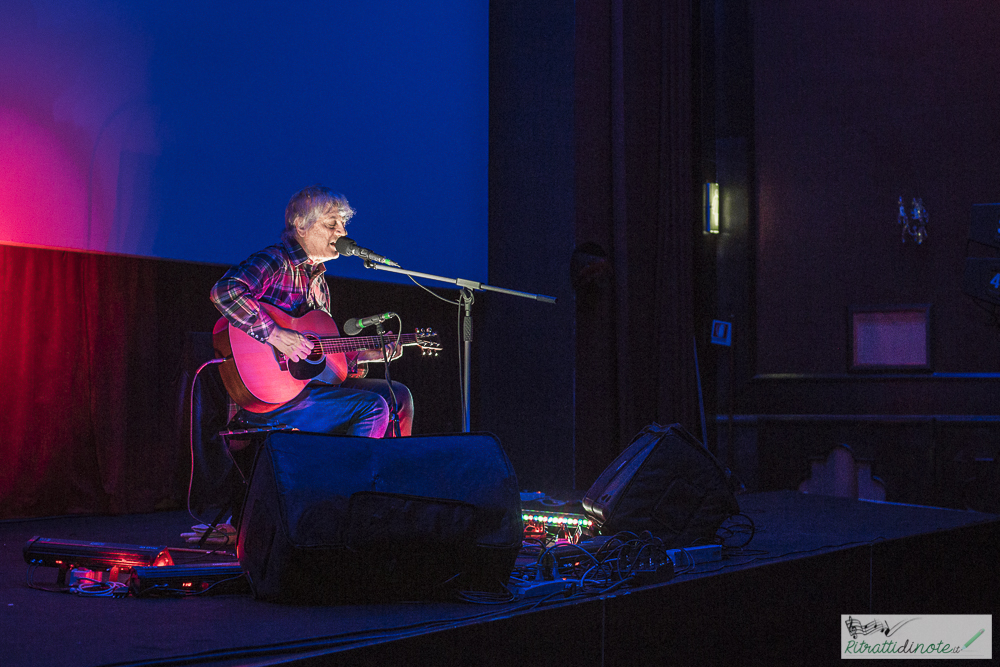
[(260, 378)]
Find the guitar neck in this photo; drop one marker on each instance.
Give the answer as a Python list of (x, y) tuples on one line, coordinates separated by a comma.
[(333, 345)]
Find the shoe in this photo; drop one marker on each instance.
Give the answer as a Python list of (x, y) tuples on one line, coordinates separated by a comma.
[(224, 534)]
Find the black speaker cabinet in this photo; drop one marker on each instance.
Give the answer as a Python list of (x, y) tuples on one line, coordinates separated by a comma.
[(667, 483), (344, 519)]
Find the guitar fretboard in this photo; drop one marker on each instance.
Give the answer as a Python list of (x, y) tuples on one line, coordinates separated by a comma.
[(334, 344)]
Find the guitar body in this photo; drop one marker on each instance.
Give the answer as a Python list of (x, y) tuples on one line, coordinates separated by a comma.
[(261, 379)]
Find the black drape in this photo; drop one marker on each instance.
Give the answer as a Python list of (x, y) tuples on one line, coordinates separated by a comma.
[(637, 215)]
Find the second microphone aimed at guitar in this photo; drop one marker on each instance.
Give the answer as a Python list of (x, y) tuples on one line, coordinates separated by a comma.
[(354, 326), (346, 246)]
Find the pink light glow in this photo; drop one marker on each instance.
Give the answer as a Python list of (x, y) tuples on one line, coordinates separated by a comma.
[(43, 193), (77, 136)]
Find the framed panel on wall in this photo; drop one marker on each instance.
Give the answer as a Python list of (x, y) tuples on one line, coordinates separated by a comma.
[(889, 338)]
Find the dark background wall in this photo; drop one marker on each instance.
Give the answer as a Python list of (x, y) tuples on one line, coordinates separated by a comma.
[(858, 104), (855, 104)]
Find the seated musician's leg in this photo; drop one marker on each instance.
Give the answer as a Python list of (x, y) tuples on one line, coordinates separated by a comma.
[(334, 410), (404, 399)]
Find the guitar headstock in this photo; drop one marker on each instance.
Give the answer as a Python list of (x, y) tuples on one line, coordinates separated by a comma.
[(426, 340)]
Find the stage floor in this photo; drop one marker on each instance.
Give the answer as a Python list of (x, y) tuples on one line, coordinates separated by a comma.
[(811, 556)]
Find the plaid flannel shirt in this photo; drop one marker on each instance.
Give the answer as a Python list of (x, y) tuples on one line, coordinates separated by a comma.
[(280, 275)]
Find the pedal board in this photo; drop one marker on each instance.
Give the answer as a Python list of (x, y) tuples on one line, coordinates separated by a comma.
[(556, 527)]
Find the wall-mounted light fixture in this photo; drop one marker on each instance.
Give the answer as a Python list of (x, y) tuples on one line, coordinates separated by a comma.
[(915, 225), (711, 208)]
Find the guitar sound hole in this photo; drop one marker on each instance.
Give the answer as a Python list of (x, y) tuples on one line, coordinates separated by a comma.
[(305, 369), (311, 366)]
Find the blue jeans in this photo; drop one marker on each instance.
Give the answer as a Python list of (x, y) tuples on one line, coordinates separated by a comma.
[(356, 407)]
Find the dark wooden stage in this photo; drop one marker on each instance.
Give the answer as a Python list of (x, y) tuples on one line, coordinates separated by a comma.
[(812, 559)]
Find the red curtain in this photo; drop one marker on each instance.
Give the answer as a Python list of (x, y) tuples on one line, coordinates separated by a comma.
[(88, 379)]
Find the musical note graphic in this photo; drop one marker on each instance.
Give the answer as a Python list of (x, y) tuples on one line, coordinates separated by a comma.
[(855, 628)]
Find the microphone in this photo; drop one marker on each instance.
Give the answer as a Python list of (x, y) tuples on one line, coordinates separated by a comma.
[(347, 246), (354, 327)]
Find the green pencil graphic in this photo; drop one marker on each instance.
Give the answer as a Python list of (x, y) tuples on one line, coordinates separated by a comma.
[(974, 638)]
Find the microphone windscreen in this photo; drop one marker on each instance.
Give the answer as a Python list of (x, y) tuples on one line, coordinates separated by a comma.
[(346, 245)]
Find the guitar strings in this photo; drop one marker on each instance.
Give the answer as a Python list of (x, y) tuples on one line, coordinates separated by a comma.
[(338, 344)]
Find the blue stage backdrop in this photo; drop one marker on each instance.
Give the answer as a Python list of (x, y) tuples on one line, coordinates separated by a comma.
[(179, 130)]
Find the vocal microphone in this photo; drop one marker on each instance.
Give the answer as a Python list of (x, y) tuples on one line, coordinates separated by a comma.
[(347, 246), (354, 327)]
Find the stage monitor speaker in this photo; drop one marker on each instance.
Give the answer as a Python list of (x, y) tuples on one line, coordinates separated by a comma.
[(982, 278), (985, 225), (667, 483), (346, 519)]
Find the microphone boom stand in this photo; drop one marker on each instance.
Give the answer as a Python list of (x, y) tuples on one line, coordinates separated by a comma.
[(468, 286)]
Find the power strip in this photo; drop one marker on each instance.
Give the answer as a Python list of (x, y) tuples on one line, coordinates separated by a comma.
[(659, 575), (531, 589), (695, 555), (680, 560)]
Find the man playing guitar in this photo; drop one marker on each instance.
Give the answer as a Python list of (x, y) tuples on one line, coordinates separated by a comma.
[(263, 297)]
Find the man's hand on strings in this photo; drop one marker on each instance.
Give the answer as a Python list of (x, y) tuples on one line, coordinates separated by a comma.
[(291, 343)]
